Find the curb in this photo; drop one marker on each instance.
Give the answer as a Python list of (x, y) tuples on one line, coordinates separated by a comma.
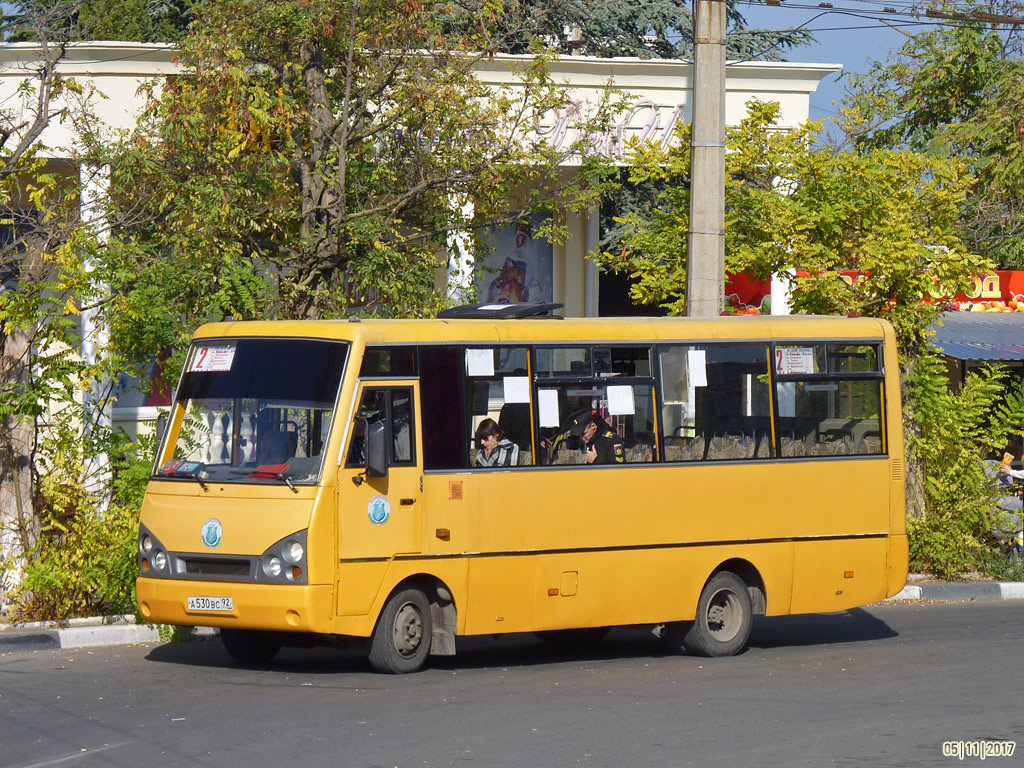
[(84, 633), (976, 590)]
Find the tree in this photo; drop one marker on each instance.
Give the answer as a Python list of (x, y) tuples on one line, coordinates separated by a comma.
[(42, 271), (650, 29), (955, 428), (794, 206), (143, 21), (956, 90), (318, 155)]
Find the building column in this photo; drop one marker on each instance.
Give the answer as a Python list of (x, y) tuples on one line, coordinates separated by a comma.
[(591, 273), (96, 401), (460, 257)]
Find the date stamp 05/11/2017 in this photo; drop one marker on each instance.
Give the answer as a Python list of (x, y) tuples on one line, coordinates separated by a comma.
[(978, 749)]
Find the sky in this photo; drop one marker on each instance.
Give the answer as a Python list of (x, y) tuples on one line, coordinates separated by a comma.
[(853, 38)]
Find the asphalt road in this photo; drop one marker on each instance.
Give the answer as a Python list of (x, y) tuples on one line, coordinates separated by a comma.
[(883, 686)]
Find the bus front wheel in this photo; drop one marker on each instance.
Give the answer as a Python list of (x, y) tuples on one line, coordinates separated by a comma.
[(249, 646), (401, 639), (722, 624)]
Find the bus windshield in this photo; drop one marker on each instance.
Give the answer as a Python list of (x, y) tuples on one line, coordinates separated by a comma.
[(254, 411)]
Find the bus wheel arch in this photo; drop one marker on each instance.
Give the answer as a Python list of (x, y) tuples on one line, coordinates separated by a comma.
[(439, 623), (752, 578), (723, 617)]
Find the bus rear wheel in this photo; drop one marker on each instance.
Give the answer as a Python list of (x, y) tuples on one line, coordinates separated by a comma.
[(248, 646), (722, 624), (401, 640)]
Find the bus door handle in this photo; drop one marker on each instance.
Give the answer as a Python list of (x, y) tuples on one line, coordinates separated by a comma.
[(407, 502)]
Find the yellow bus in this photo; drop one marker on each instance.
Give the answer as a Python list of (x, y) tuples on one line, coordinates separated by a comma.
[(324, 481)]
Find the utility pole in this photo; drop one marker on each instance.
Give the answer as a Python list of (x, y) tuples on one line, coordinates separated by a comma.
[(705, 272)]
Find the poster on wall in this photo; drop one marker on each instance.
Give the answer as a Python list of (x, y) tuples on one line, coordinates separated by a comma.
[(520, 267)]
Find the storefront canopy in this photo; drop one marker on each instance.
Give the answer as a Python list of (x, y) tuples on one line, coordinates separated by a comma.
[(981, 335)]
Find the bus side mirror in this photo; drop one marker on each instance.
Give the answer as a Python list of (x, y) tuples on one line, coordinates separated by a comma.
[(161, 427), (376, 450)]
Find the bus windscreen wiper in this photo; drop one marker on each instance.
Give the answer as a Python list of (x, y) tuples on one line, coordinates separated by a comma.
[(268, 472), (178, 468)]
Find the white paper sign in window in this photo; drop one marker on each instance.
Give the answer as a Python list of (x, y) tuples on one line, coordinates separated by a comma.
[(697, 367), (480, 362), (547, 407), (787, 399), (620, 401), (794, 360), (213, 359), (517, 389)]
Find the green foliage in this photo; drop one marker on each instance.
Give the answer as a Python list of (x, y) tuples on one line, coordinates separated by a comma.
[(84, 562), (792, 205), (646, 29), (956, 90), (998, 565), (957, 431), (143, 21), (307, 164)]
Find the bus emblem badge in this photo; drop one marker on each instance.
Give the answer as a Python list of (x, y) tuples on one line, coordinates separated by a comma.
[(379, 510), (212, 533)]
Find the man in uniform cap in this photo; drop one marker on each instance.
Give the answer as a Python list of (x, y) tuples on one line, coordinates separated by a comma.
[(603, 446)]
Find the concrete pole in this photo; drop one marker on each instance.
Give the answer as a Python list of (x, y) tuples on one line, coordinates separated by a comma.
[(705, 273)]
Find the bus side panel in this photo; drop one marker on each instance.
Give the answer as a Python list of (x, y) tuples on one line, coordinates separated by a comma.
[(836, 574), (501, 595), (358, 586), (647, 586)]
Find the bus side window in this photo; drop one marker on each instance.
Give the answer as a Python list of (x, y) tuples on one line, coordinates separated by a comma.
[(829, 399), (371, 409), (391, 406), (623, 410), (498, 388), (716, 402)]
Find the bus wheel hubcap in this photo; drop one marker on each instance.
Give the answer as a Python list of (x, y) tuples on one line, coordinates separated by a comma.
[(408, 630), (724, 615)]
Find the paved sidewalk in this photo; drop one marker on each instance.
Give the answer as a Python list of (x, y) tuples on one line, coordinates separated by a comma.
[(81, 633), (122, 630)]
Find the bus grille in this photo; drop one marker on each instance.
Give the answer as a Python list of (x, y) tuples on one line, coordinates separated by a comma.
[(216, 567)]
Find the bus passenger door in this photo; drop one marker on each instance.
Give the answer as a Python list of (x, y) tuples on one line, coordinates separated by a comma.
[(379, 517)]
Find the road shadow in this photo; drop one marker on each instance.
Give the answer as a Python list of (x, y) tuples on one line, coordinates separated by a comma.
[(520, 650), (852, 626), (210, 653)]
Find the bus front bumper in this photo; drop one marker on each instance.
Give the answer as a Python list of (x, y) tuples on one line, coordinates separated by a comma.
[(284, 607)]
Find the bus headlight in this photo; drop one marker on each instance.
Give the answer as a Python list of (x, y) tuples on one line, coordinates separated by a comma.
[(272, 566), (292, 552), (284, 562), (152, 557)]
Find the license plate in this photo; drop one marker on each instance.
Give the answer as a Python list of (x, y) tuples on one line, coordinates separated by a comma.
[(200, 603)]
